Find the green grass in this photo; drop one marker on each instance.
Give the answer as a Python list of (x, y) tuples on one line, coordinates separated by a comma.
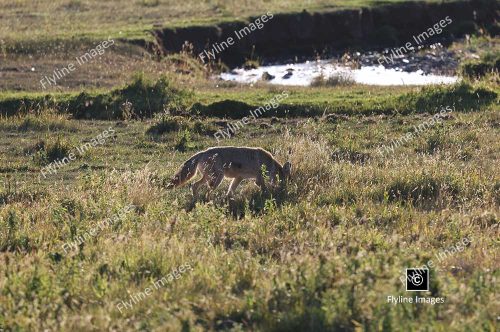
[(487, 64), (142, 97), (63, 19), (323, 255), (145, 98)]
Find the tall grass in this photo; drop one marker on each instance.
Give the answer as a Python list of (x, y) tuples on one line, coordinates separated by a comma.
[(323, 255), (337, 79), (49, 120)]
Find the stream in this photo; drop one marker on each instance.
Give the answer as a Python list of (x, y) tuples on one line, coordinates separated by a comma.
[(434, 66)]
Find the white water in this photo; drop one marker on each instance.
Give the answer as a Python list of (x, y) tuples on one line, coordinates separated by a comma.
[(304, 73)]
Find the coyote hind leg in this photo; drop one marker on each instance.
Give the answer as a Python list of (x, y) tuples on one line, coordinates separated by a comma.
[(234, 184)]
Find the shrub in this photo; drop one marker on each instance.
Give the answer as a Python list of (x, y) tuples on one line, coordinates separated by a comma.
[(166, 123), (187, 64), (143, 98), (251, 64), (148, 97), (489, 63), (203, 128), (340, 78), (48, 151), (184, 142)]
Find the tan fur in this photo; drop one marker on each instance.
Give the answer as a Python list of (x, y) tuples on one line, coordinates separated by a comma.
[(238, 163)]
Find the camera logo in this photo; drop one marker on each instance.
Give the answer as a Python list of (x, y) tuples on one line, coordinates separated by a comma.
[(417, 280)]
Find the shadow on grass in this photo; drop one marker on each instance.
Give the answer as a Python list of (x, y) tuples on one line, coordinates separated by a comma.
[(462, 96), (250, 201)]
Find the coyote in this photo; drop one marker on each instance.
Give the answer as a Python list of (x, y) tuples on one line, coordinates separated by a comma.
[(238, 163)]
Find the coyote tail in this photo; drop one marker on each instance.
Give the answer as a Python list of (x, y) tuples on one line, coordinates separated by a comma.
[(187, 171)]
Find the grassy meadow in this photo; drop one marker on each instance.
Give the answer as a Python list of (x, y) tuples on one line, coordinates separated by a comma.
[(322, 255), (132, 19), (97, 242)]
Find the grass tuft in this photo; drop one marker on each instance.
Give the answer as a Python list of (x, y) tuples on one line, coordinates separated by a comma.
[(49, 150), (337, 79), (489, 63)]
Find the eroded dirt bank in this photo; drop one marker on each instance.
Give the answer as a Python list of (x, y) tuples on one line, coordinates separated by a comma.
[(307, 34)]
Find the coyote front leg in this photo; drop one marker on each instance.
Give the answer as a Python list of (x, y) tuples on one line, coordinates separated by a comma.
[(261, 183), (198, 183), (215, 181)]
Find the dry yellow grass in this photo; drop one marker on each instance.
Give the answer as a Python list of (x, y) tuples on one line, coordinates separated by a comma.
[(323, 255)]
